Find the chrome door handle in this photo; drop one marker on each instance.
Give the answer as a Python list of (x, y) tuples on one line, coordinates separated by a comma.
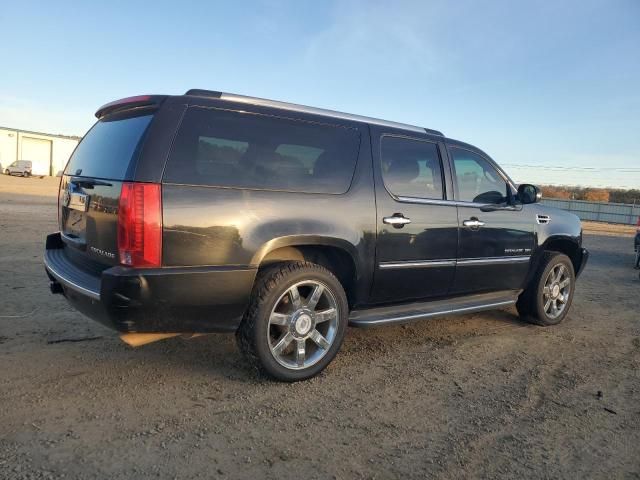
[(397, 220), (473, 223)]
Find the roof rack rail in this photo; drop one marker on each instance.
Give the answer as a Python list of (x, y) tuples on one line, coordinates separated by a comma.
[(232, 97)]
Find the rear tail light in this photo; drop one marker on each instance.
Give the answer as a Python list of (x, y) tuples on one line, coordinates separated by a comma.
[(140, 225)]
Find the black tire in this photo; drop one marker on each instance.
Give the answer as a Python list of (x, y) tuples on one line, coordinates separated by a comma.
[(26, 174), (7, 172), (253, 335), (531, 304)]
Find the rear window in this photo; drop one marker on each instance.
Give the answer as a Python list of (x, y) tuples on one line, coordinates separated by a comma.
[(246, 150), (107, 150)]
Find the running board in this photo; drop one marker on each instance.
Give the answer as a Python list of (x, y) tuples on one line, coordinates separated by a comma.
[(410, 312)]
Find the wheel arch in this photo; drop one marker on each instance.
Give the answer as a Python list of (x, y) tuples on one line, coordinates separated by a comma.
[(335, 254), (568, 245)]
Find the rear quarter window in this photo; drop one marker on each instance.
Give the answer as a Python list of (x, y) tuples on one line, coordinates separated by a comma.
[(110, 148), (245, 150)]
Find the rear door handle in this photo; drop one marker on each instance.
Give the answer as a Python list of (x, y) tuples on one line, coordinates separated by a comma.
[(397, 220), (473, 222)]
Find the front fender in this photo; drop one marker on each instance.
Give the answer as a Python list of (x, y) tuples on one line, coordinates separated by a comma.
[(562, 233)]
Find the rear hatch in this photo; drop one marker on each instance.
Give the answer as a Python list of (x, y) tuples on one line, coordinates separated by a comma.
[(101, 167)]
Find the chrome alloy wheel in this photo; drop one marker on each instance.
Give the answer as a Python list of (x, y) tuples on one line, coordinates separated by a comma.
[(557, 288), (303, 325)]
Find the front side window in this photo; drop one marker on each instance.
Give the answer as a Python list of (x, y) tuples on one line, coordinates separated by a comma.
[(478, 181), (245, 150), (411, 168)]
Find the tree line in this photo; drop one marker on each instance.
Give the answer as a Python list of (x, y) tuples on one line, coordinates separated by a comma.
[(591, 194)]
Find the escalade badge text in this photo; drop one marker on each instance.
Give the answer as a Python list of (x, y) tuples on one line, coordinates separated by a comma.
[(104, 253), (512, 251)]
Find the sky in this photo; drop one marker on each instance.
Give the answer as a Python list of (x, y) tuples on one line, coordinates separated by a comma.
[(550, 90)]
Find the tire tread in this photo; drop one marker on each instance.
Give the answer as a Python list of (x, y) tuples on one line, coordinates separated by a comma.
[(267, 280), (527, 303)]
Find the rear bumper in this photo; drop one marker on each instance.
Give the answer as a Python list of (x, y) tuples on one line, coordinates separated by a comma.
[(170, 299), (584, 258)]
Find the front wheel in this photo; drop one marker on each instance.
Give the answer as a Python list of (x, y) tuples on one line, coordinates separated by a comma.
[(7, 172), (296, 321), (546, 301)]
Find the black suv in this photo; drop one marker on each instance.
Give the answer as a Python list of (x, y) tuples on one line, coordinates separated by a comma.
[(215, 212)]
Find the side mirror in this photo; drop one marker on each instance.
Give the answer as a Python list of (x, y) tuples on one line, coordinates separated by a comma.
[(528, 193)]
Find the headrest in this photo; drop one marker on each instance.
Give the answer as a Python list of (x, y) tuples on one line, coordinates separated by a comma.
[(403, 170)]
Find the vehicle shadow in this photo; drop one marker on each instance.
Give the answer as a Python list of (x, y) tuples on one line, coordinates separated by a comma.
[(440, 331), (216, 356)]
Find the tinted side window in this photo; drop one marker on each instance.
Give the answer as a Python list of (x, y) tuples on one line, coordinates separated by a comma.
[(246, 150), (478, 181), (411, 168)]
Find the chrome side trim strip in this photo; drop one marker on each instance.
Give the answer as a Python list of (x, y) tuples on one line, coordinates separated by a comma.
[(74, 286), (418, 264), (451, 203), (493, 260), (433, 201), (416, 316), (452, 262)]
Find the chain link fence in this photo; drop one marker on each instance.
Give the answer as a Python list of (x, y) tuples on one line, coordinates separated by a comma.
[(623, 213)]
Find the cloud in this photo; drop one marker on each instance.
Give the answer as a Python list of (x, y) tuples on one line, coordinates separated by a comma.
[(399, 40)]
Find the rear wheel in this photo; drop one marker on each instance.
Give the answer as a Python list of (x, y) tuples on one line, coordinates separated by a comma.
[(7, 172), (296, 321), (546, 301)]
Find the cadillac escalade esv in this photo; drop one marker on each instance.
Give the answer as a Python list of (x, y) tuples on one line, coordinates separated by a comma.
[(215, 212)]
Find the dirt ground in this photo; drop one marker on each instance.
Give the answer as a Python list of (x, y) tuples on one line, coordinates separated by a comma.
[(480, 395)]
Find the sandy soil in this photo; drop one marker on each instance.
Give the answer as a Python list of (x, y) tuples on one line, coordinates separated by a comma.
[(481, 395), (611, 229), (32, 186)]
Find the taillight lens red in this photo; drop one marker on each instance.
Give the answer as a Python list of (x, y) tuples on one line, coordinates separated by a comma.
[(140, 225)]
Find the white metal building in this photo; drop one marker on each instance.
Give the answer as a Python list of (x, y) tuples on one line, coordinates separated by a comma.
[(48, 153)]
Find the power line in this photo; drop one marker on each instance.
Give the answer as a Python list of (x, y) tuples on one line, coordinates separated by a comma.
[(590, 185), (588, 169)]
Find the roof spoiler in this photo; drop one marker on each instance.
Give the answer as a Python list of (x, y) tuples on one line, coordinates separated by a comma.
[(140, 101)]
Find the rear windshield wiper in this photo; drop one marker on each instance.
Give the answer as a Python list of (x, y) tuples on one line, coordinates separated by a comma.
[(89, 182)]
